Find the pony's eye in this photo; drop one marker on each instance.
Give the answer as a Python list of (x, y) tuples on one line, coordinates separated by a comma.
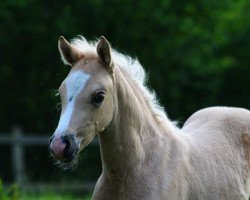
[(98, 98)]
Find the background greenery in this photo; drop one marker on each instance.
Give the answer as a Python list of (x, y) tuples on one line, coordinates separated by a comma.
[(13, 193), (196, 54)]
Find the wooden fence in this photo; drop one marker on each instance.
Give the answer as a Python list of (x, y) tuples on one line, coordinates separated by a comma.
[(18, 140)]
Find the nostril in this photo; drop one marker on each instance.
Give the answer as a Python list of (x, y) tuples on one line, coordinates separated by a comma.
[(67, 141), (57, 147), (71, 148), (64, 148)]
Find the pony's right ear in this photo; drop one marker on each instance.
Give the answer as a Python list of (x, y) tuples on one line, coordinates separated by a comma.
[(70, 55)]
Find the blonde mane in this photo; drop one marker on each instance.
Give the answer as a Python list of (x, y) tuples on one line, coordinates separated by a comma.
[(134, 69)]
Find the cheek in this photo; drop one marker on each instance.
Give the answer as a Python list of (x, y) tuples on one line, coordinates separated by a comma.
[(90, 120), (106, 114), (81, 121), (86, 135)]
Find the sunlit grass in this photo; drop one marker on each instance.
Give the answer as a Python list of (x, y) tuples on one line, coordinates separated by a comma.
[(13, 193), (52, 197)]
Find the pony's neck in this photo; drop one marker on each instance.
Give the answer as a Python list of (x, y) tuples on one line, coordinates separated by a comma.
[(134, 128)]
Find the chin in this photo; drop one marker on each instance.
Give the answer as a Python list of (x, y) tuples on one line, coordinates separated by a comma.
[(68, 165)]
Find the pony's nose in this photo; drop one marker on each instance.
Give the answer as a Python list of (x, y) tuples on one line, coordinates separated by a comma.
[(64, 148)]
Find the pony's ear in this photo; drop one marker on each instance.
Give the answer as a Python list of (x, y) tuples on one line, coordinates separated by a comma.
[(104, 53), (70, 55)]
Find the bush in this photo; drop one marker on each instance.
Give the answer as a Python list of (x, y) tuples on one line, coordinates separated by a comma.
[(11, 193)]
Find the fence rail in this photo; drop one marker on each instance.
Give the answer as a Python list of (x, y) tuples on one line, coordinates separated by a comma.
[(18, 140), (24, 140)]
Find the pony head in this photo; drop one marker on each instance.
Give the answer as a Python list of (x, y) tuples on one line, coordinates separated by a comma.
[(87, 97)]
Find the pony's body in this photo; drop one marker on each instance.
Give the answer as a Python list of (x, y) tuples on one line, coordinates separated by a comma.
[(206, 159), (145, 156), (219, 148)]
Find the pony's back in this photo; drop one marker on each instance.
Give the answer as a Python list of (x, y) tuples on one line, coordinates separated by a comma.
[(219, 139)]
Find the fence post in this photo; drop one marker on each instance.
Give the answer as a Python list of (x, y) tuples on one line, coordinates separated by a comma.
[(18, 156)]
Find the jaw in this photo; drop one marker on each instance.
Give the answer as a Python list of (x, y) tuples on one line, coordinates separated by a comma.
[(85, 140)]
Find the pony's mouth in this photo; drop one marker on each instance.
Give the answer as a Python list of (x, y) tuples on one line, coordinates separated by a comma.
[(69, 165), (65, 151)]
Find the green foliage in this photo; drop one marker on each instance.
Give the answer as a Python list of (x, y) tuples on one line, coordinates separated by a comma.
[(3, 195), (188, 47), (53, 197), (11, 193)]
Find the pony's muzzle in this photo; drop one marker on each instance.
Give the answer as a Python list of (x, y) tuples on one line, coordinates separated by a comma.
[(64, 148)]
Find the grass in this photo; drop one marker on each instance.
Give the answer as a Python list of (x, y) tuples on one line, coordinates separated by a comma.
[(52, 197), (13, 193)]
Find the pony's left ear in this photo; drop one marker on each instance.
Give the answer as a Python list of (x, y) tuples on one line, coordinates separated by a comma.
[(104, 53)]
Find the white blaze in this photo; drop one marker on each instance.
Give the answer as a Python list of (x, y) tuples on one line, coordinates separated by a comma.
[(75, 82)]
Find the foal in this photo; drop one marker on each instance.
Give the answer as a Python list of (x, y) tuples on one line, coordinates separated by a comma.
[(144, 155)]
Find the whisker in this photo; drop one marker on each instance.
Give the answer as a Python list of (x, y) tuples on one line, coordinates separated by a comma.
[(67, 166)]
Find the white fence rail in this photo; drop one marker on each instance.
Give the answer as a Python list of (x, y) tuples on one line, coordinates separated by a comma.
[(18, 140)]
